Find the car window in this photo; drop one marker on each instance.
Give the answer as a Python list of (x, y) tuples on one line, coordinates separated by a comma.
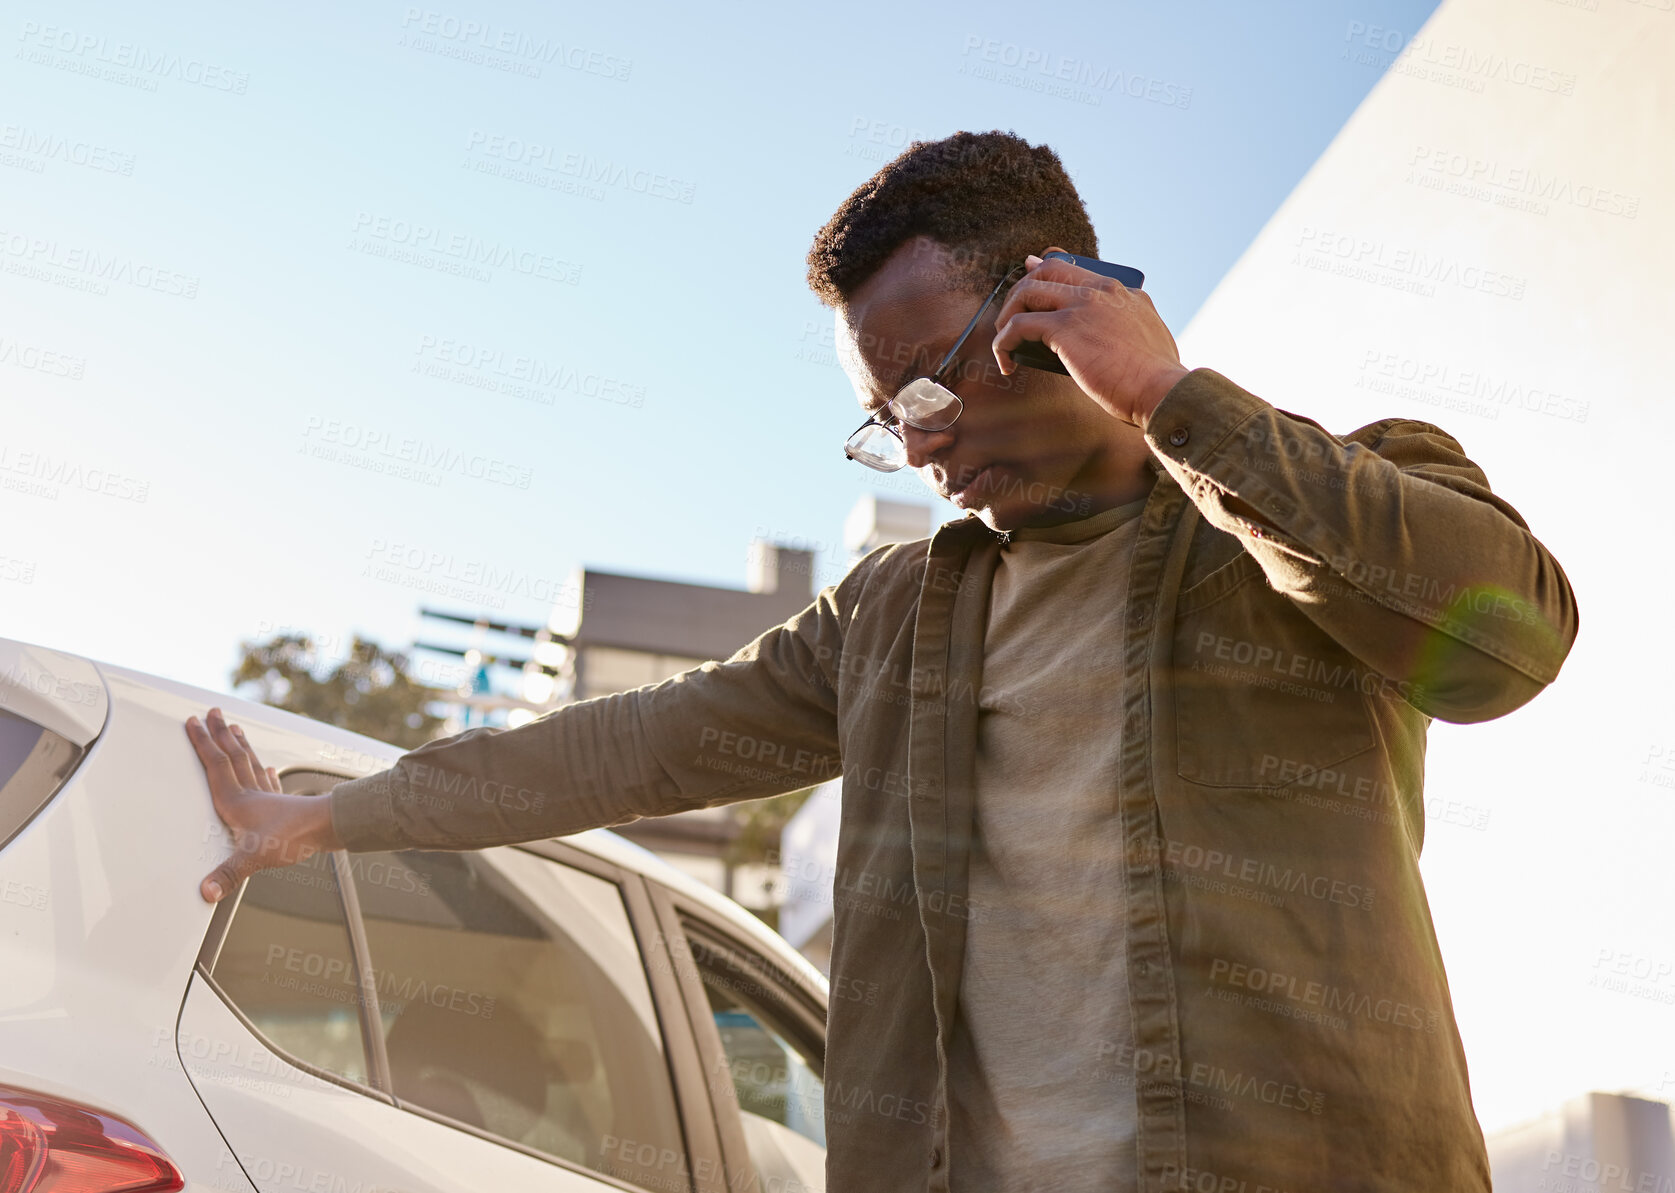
[(34, 762), (776, 1083), (286, 964), (514, 999)]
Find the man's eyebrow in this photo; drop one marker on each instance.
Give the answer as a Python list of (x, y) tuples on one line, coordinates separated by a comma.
[(912, 370)]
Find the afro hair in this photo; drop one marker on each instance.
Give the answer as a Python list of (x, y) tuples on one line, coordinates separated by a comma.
[(984, 200)]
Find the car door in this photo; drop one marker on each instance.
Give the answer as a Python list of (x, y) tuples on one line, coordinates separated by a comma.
[(760, 1027), (443, 1021)]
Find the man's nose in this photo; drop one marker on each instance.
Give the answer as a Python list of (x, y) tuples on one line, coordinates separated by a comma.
[(923, 446)]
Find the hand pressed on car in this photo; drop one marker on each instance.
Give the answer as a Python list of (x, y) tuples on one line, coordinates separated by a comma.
[(269, 827)]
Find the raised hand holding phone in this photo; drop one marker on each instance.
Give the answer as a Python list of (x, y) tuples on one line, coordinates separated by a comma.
[(1091, 321)]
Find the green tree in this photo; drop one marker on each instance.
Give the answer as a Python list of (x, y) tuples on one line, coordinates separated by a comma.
[(368, 691), (760, 824)]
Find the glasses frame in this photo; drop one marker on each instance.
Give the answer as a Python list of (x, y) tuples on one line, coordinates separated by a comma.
[(889, 409)]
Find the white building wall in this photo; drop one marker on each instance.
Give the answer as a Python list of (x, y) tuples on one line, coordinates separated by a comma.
[(1489, 244)]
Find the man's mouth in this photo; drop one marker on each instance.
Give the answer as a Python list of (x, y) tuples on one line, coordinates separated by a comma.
[(973, 484)]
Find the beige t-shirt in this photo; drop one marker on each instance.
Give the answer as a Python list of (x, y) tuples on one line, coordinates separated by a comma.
[(1045, 982)]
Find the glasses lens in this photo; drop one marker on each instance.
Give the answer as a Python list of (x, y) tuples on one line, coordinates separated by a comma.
[(875, 447), (926, 405)]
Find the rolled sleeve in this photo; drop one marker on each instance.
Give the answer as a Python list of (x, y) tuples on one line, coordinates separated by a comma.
[(363, 815)]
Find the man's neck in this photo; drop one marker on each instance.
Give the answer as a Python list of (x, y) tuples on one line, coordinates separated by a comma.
[(1109, 479)]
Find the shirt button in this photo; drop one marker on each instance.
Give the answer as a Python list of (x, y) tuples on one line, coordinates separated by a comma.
[(936, 1157), (1178, 436)]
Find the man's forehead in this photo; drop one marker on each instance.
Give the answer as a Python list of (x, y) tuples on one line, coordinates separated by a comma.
[(912, 279), (907, 306)]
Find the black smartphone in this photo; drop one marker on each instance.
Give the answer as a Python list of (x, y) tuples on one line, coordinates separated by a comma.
[(1036, 355)]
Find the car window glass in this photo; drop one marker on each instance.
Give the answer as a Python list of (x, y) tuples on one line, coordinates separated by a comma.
[(34, 762), (771, 1077), (287, 965), (514, 999)]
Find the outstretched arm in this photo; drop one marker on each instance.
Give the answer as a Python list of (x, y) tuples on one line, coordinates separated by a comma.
[(761, 723)]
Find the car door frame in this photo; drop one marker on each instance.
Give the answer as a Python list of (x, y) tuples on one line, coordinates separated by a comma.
[(800, 1005), (683, 1052)]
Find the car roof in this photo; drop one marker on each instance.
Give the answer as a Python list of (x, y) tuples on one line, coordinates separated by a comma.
[(74, 696)]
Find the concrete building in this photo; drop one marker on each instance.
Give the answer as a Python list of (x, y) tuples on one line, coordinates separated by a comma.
[(1487, 245), (624, 631), (808, 845), (1597, 1143)]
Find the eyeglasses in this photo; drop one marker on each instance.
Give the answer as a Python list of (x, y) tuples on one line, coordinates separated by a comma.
[(924, 403)]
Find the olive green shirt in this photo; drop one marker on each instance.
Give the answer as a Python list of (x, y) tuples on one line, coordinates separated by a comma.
[(1290, 1018)]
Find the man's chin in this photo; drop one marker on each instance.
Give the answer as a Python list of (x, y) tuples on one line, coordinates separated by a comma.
[(1004, 518)]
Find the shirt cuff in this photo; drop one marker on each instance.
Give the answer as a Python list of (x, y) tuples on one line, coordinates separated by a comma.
[(1188, 432), (363, 813), (1196, 416)]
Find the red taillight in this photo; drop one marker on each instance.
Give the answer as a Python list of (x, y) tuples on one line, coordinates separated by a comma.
[(48, 1145)]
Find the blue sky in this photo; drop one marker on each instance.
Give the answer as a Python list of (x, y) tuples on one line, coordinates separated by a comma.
[(269, 419)]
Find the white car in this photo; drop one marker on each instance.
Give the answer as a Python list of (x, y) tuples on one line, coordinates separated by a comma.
[(567, 1015)]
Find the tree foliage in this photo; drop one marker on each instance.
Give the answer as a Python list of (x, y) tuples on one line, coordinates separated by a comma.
[(760, 825), (367, 691)]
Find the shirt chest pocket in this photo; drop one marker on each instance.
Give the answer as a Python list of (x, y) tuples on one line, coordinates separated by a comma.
[(1260, 691)]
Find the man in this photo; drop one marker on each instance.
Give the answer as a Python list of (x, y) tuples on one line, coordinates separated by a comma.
[(1144, 733)]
